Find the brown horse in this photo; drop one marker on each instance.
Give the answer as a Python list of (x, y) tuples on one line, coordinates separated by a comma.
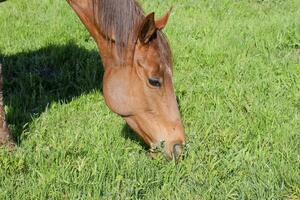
[(5, 136), (136, 56)]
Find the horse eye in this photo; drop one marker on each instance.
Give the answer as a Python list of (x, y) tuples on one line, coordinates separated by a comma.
[(154, 82)]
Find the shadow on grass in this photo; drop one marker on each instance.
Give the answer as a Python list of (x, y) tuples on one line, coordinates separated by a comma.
[(128, 133), (32, 80)]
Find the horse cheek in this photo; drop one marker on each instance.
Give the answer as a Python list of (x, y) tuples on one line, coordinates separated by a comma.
[(115, 92)]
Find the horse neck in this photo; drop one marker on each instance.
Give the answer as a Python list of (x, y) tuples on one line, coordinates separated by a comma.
[(108, 50), (112, 58)]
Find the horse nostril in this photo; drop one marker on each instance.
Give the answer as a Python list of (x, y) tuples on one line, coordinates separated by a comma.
[(177, 150)]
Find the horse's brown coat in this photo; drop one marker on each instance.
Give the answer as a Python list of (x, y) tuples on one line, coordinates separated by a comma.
[(135, 52), (5, 136)]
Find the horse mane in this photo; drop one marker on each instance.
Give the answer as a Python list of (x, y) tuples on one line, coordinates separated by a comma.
[(118, 20)]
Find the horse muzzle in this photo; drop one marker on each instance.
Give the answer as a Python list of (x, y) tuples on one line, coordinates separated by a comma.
[(172, 150)]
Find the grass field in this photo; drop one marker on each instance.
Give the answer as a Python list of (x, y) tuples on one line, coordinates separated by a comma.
[(237, 78)]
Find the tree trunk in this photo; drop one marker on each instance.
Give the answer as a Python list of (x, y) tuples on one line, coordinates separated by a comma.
[(5, 136)]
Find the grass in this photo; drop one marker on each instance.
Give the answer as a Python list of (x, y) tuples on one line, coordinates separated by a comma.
[(237, 78)]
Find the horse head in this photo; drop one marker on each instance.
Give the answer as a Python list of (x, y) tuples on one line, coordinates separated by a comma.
[(137, 59)]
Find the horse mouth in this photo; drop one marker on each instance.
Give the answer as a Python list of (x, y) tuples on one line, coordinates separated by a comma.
[(171, 152)]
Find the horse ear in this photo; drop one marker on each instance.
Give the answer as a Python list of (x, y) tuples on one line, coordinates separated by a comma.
[(149, 26), (84, 10), (147, 29), (162, 22)]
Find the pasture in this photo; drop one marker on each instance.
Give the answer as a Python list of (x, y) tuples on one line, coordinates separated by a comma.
[(237, 80)]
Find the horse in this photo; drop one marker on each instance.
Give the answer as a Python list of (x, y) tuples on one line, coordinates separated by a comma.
[(5, 135), (138, 69)]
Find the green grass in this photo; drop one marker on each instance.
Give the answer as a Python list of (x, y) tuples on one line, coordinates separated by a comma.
[(237, 78)]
